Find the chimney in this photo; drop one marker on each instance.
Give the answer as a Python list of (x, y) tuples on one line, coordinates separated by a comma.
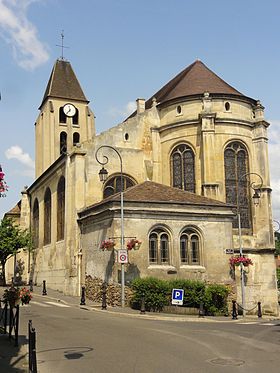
[(140, 105)]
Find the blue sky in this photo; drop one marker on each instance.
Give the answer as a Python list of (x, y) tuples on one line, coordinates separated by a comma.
[(125, 49)]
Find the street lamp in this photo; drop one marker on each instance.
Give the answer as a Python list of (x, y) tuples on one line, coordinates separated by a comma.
[(256, 199), (103, 175)]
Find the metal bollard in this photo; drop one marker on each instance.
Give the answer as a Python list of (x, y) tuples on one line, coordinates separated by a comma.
[(44, 288), (201, 312), (143, 306), (83, 296), (104, 296), (234, 310), (259, 310), (30, 285)]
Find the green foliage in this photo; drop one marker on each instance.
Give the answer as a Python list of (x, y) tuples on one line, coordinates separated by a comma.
[(277, 246), (215, 299), (278, 277), (157, 294), (12, 238), (154, 291), (193, 291)]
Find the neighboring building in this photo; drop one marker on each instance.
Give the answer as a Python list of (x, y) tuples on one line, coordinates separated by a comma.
[(184, 153)]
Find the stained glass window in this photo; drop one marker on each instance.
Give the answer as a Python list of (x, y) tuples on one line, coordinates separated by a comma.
[(113, 185), (236, 182), (183, 168)]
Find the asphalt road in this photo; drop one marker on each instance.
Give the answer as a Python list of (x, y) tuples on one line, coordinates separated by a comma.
[(72, 339)]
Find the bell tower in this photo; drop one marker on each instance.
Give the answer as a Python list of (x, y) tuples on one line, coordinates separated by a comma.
[(65, 118)]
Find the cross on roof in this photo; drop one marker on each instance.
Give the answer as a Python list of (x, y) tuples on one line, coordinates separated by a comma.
[(62, 45)]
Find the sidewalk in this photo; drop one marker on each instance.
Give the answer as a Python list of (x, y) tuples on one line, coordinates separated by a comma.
[(127, 311), (12, 359)]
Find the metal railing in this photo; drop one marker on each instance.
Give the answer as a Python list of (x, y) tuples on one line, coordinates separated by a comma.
[(9, 318), (32, 348)]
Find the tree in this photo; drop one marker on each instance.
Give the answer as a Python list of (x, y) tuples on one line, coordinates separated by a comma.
[(12, 238)]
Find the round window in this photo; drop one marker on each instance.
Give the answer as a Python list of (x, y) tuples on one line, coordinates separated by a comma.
[(179, 109)]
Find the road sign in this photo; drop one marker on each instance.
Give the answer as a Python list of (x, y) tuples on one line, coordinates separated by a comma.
[(122, 256), (177, 296)]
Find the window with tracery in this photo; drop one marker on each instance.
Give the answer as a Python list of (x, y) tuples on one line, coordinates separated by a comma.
[(35, 230), (63, 142), (47, 217), (190, 247), (113, 185), (60, 209), (183, 168), (236, 183), (159, 243)]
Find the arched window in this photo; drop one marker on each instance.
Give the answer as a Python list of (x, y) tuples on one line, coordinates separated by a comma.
[(182, 168), (159, 247), (76, 138), (75, 119), (60, 208), (47, 216), (63, 142), (35, 230), (62, 116), (237, 191), (113, 185), (190, 247)]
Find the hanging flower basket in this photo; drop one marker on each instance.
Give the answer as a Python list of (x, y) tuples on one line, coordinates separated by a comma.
[(237, 260), (3, 185), (107, 245), (25, 296), (133, 244)]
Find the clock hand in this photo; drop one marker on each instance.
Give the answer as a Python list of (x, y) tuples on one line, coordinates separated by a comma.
[(69, 109)]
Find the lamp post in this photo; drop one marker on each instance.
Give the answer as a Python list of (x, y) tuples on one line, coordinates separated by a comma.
[(103, 175), (256, 198)]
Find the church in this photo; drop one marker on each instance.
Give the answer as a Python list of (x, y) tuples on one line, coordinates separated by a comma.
[(182, 171)]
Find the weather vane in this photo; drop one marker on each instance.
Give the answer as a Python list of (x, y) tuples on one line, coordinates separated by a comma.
[(62, 44)]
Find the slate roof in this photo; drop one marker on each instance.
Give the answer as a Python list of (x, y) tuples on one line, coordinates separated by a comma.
[(63, 83), (151, 192), (194, 80)]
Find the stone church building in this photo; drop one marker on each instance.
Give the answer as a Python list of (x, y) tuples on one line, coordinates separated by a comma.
[(190, 156)]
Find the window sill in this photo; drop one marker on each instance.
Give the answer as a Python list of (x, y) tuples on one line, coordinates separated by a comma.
[(193, 267), (162, 266)]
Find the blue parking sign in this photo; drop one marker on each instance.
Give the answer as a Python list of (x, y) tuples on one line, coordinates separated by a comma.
[(177, 296)]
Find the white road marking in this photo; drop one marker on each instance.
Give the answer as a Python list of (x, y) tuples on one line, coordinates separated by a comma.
[(39, 304), (58, 304)]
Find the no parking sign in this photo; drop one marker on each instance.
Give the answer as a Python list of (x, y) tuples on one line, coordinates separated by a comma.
[(122, 256)]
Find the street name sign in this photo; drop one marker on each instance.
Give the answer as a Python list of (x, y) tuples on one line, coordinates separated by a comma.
[(177, 297)]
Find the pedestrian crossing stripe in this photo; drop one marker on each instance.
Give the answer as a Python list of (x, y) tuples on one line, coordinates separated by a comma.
[(58, 304), (39, 304)]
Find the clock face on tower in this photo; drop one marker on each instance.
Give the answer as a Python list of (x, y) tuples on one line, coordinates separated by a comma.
[(69, 110)]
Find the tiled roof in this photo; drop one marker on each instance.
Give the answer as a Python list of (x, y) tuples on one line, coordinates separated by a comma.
[(151, 192), (195, 79), (63, 83), (15, 210)]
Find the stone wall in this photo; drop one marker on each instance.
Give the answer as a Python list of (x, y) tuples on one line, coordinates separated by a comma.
[(94, 292)]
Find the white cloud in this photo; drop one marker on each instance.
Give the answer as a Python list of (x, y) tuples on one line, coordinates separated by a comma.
[(124, 112), (16, 152), (21, 34)]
